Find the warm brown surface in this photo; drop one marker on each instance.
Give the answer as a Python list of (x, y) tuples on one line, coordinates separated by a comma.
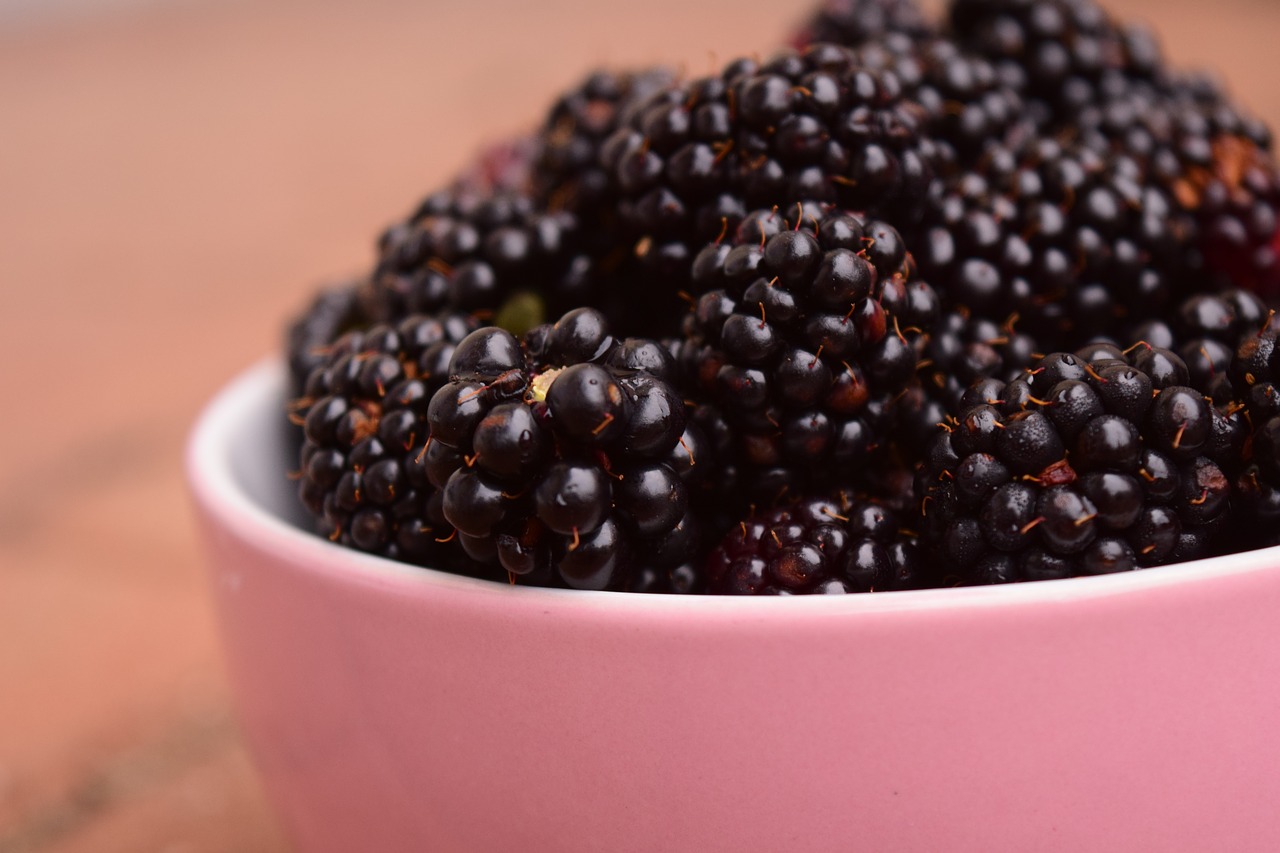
[(173, 181)]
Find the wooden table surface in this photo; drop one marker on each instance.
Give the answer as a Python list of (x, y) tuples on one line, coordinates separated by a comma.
[(175, 178)]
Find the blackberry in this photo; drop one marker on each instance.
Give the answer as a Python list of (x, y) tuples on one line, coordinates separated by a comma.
[(847, 543), (363, 414), (1079, 467), (1063, 54), (500, 168), (807, 128), (308, 337), (472, 251), (1255, 374), (803, 338), (1205, 330), (562, 457), (857, 22), (966, 359), (1217, 163), (1074, 241), (1090, 78), (567, 174)]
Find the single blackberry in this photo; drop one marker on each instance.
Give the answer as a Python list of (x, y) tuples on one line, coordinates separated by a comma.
[(857, 22), (1062, 54), (474, 252), (964, 103), (1255, 378), (1079, 467), (966, 359), (562, 457), (333, 312), (803, 338), (810, 128), (843, 544), (363, 414), (1206, 331), (504, 167), (1087, 77), (1073, 241), (1216, 162), (567, 174)]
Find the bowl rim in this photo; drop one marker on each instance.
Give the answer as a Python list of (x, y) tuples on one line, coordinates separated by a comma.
[(214, 488)]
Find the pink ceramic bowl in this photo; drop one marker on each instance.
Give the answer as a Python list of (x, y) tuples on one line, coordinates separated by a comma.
[(393, 708)]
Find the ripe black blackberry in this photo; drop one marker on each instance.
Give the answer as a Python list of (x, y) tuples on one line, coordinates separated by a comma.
[(1087, 77), (810, 128), (1074, 241), (562, 457), (1255, 379), (566, 173), (857, 22), (802, 339), (1206, 330), (462, 250), (363, 414), (1062, 54), (965, 358), (844, 544), (1079, 467), (333, 312), (965, 103)]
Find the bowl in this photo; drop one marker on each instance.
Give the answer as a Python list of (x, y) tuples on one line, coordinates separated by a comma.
[(396, 708)]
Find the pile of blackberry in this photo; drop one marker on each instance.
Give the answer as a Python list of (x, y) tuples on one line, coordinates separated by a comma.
[(911, 303)]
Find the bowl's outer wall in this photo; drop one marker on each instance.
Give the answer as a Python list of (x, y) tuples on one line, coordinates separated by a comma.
[(396, 710)]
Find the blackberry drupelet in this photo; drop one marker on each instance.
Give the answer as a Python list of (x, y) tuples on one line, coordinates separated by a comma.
[(802, 339), (1079, 467), (847, 543), (563, 457), (810, 128), (363, 413)]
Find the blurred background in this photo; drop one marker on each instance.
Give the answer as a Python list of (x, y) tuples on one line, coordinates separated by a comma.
[(176, 178)]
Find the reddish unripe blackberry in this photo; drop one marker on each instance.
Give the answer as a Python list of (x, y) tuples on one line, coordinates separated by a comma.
[(1215, 160), (803, 337), (361, 474), (562, 456), (1077, 467), (843, 544)]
